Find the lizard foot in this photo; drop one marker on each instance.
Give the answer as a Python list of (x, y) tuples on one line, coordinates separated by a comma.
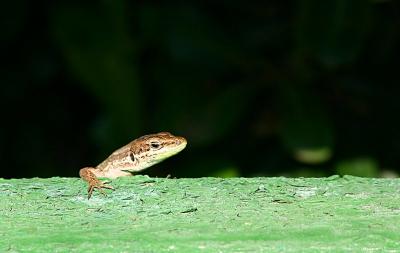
[(94, 183), (98, 185)]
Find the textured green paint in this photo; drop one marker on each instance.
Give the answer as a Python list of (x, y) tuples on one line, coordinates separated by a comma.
[(201, 215)]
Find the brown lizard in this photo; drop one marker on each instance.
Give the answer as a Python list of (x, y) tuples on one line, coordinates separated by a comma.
[(137, 155)]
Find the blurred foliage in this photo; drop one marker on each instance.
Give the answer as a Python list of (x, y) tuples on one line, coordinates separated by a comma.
[(358, 167), (301, 88)]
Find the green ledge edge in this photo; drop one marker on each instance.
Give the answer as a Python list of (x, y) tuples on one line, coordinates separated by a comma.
[(143, 214)]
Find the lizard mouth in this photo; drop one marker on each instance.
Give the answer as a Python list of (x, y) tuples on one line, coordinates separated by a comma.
[(180, 144)]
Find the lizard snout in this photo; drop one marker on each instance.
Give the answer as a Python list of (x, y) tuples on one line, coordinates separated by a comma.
[(180, 140)]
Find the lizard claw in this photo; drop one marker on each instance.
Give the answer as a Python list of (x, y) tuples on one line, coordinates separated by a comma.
[(100, 186)]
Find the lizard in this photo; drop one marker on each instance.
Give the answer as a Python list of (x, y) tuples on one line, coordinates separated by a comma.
[(137, 155)]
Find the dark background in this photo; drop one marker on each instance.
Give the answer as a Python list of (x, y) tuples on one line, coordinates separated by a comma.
[(294, 88)]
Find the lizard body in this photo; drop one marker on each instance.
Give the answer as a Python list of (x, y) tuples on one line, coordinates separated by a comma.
[(137, 155)]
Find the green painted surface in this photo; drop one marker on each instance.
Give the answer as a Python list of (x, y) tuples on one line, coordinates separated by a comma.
[(201, 215)]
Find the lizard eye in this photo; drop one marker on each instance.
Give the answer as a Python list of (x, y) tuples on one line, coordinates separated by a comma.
[(155, 145)]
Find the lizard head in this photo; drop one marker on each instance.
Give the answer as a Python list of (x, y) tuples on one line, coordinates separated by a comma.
[(154, 148)]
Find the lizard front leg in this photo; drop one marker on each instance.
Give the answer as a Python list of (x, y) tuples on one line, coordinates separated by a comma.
[(94, 183)]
